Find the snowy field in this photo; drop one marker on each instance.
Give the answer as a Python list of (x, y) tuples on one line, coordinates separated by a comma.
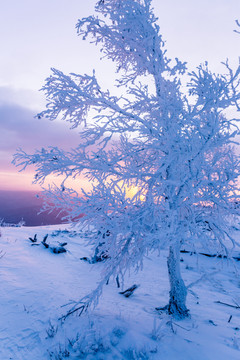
[(36, 283)]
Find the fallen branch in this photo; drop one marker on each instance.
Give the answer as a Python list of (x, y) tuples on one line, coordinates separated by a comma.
[(218, 256), (55, 249)]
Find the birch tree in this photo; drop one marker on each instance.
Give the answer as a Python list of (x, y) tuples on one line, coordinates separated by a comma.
[(172, 145)]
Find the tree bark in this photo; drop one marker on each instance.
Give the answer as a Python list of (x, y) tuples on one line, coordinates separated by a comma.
[(178, 291)]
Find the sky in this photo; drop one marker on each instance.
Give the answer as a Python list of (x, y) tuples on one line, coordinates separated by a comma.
[(36, 35)]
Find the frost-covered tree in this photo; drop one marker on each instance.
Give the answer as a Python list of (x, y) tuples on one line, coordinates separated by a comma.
[(172, 145)]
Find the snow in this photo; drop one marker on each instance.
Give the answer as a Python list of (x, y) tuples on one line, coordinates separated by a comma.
[(36, 283)]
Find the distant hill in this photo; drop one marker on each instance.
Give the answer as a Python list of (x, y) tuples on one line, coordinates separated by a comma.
[(24, 205)]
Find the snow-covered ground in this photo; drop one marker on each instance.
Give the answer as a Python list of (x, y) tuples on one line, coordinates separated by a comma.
[(36, 283)]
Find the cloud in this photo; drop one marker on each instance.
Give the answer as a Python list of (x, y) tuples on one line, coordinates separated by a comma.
[(25, 98), (19, 128)]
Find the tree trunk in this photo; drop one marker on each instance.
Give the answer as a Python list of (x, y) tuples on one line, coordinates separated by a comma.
[(178, 291)]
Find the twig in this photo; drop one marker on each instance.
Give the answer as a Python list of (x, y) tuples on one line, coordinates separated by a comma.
[(129, 291), (201, 278), (34, 239), (181, 326), (223, 303), (81, 308)]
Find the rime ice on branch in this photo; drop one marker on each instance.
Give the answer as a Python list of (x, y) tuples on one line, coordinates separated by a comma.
[(174, 147)]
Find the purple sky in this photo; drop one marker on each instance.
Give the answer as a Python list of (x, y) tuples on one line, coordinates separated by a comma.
[(37, 35)]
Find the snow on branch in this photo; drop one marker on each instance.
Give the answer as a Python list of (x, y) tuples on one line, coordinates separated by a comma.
[(72, 96), (162, 164), (137, 48)]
